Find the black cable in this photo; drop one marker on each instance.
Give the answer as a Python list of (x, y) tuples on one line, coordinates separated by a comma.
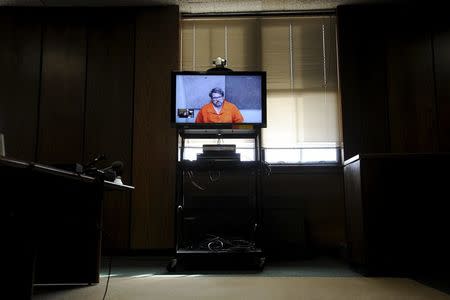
[(212, 178), (216, 243), (109, 276), (267, 168), (106, 234), (194, 183)]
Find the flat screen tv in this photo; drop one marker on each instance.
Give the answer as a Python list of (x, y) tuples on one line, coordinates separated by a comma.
[(218, 99)]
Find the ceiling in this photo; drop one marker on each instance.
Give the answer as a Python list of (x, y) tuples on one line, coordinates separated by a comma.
[(199, 6)]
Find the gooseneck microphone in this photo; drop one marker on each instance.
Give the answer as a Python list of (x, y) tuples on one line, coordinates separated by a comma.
[(110, 173), (95, 160), (116, 166)]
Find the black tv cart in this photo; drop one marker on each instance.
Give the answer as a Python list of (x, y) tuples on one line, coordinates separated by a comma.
[(217, 205)]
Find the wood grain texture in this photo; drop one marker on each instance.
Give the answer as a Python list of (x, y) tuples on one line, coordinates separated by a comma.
[(109, 111), (154, 141), (304, 207), (20, 61), (61, 114), (410, 86), (388, 81), (442, 69), (362, 76), (397, 214), (354, 214)]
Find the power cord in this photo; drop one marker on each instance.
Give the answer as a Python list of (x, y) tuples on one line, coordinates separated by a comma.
[(109, 265), (194, 183), (214, 178), (267, 168), (109, 276)]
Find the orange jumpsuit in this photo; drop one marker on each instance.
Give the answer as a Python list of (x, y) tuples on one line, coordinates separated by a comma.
[(228, 114)]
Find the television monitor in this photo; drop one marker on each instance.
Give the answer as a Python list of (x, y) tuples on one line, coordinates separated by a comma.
[(218, 99)]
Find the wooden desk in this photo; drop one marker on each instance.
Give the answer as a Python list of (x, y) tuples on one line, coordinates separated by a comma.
[(54, 224)]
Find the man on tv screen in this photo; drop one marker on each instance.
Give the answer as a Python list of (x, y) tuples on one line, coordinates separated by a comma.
[(219, 110)]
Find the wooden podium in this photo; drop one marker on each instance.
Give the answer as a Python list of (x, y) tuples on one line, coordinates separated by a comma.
[(54, 224)]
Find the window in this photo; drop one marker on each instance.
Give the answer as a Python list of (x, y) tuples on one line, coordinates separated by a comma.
[(299, 56)]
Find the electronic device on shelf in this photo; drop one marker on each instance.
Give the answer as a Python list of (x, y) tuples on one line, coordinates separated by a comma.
[(219, 152)]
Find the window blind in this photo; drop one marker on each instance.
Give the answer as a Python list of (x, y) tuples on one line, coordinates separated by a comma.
[(299, 56)]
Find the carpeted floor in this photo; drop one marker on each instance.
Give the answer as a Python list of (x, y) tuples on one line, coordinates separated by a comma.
[(146, 278)]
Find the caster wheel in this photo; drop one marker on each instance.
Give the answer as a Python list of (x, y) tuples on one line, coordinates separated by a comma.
[(172, 265)]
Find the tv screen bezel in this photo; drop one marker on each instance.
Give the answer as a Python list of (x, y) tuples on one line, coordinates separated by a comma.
[(262, 124)]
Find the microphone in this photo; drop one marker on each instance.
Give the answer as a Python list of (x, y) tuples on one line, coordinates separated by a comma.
[(95, 160), (116, 166)]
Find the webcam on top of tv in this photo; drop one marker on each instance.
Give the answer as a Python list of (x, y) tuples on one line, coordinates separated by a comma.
[(220, 62)]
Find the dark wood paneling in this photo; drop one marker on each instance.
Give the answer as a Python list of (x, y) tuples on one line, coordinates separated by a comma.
[(362, 76), (284, 232), (311, 202), (20, 61), (354, 214), (60, 138), (109, 110), (154, 141), (351, 118), (442, 69), (400, 210), (388, 81), (411, 86)]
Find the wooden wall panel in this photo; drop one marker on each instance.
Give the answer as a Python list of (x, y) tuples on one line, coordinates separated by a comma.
[(354, 213), (109, 111), (442, 68), (325, 210), (351, 118), (404, 63), (20, 61), (306, 202), (154, 142), (362, 76), (61, 114), (397, 213), (410, 86)]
